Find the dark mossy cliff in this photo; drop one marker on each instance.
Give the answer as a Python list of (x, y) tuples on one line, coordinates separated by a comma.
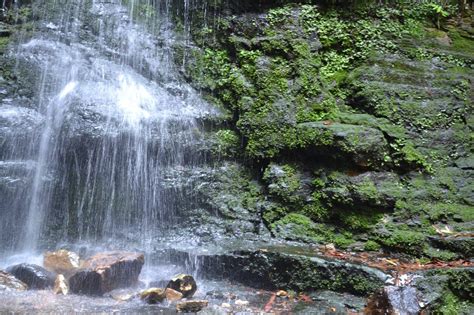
[(354, 122)]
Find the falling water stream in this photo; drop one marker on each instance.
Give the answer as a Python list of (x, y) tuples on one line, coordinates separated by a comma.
[(95, 142), (116, 117), (85, 160)]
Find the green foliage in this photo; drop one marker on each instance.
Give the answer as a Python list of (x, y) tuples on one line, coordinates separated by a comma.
[(436, 12), (316, 210), (295, 226), (372, 246), (360, 221), (343, 240), (227, 143), (407, 241), (439, 254), (452, 305), (283, 182), (4, 42)]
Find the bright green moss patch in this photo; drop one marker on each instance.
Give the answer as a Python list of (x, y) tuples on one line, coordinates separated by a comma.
[(227, 143), (372, 246), (4, 41), (360, 221), (295, 226), (407, 241), (283, 182)]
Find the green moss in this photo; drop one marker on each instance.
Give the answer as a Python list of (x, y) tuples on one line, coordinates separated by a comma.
[(316, 210), (227, 143), (461, 43), (362, 285), (360, 221), (443, 255), (283, 182), (372, 246), (343, 240), (452, 305), (273, 212), (295, 226), (4, 41), (407, 241)]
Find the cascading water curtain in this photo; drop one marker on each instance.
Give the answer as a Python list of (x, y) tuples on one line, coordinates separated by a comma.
[(115, 119)]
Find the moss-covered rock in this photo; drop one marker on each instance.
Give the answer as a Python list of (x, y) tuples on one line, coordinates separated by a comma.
[(277, 269), (359, 123)]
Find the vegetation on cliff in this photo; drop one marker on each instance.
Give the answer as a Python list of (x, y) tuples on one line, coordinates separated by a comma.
[(358, 122)]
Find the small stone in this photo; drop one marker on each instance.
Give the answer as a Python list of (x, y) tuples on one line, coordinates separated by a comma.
[(123, 297), (329, 247), (173, 295), (8, 282), (183, 283), (226, 305), (61, 261), (192, 306), (241, 303), (153, 295), (282, 293)]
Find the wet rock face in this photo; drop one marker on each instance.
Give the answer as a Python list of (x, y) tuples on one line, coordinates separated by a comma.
[(105, 272), (394, 300), (34, 276), (9, 283)]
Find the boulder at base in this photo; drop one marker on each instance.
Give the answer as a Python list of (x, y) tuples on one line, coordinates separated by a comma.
[(191, 306), (185, 284), (105, 272), (36, 277), (61, 261), (9, 283), (153, 295)]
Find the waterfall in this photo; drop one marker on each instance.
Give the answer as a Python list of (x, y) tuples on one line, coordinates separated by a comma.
[(109, 119)]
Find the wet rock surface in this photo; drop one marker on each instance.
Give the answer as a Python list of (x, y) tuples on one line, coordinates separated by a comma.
[(107, 271), (273, 269), (61, 261), (192, 306), (36, 277), (394, 300)]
